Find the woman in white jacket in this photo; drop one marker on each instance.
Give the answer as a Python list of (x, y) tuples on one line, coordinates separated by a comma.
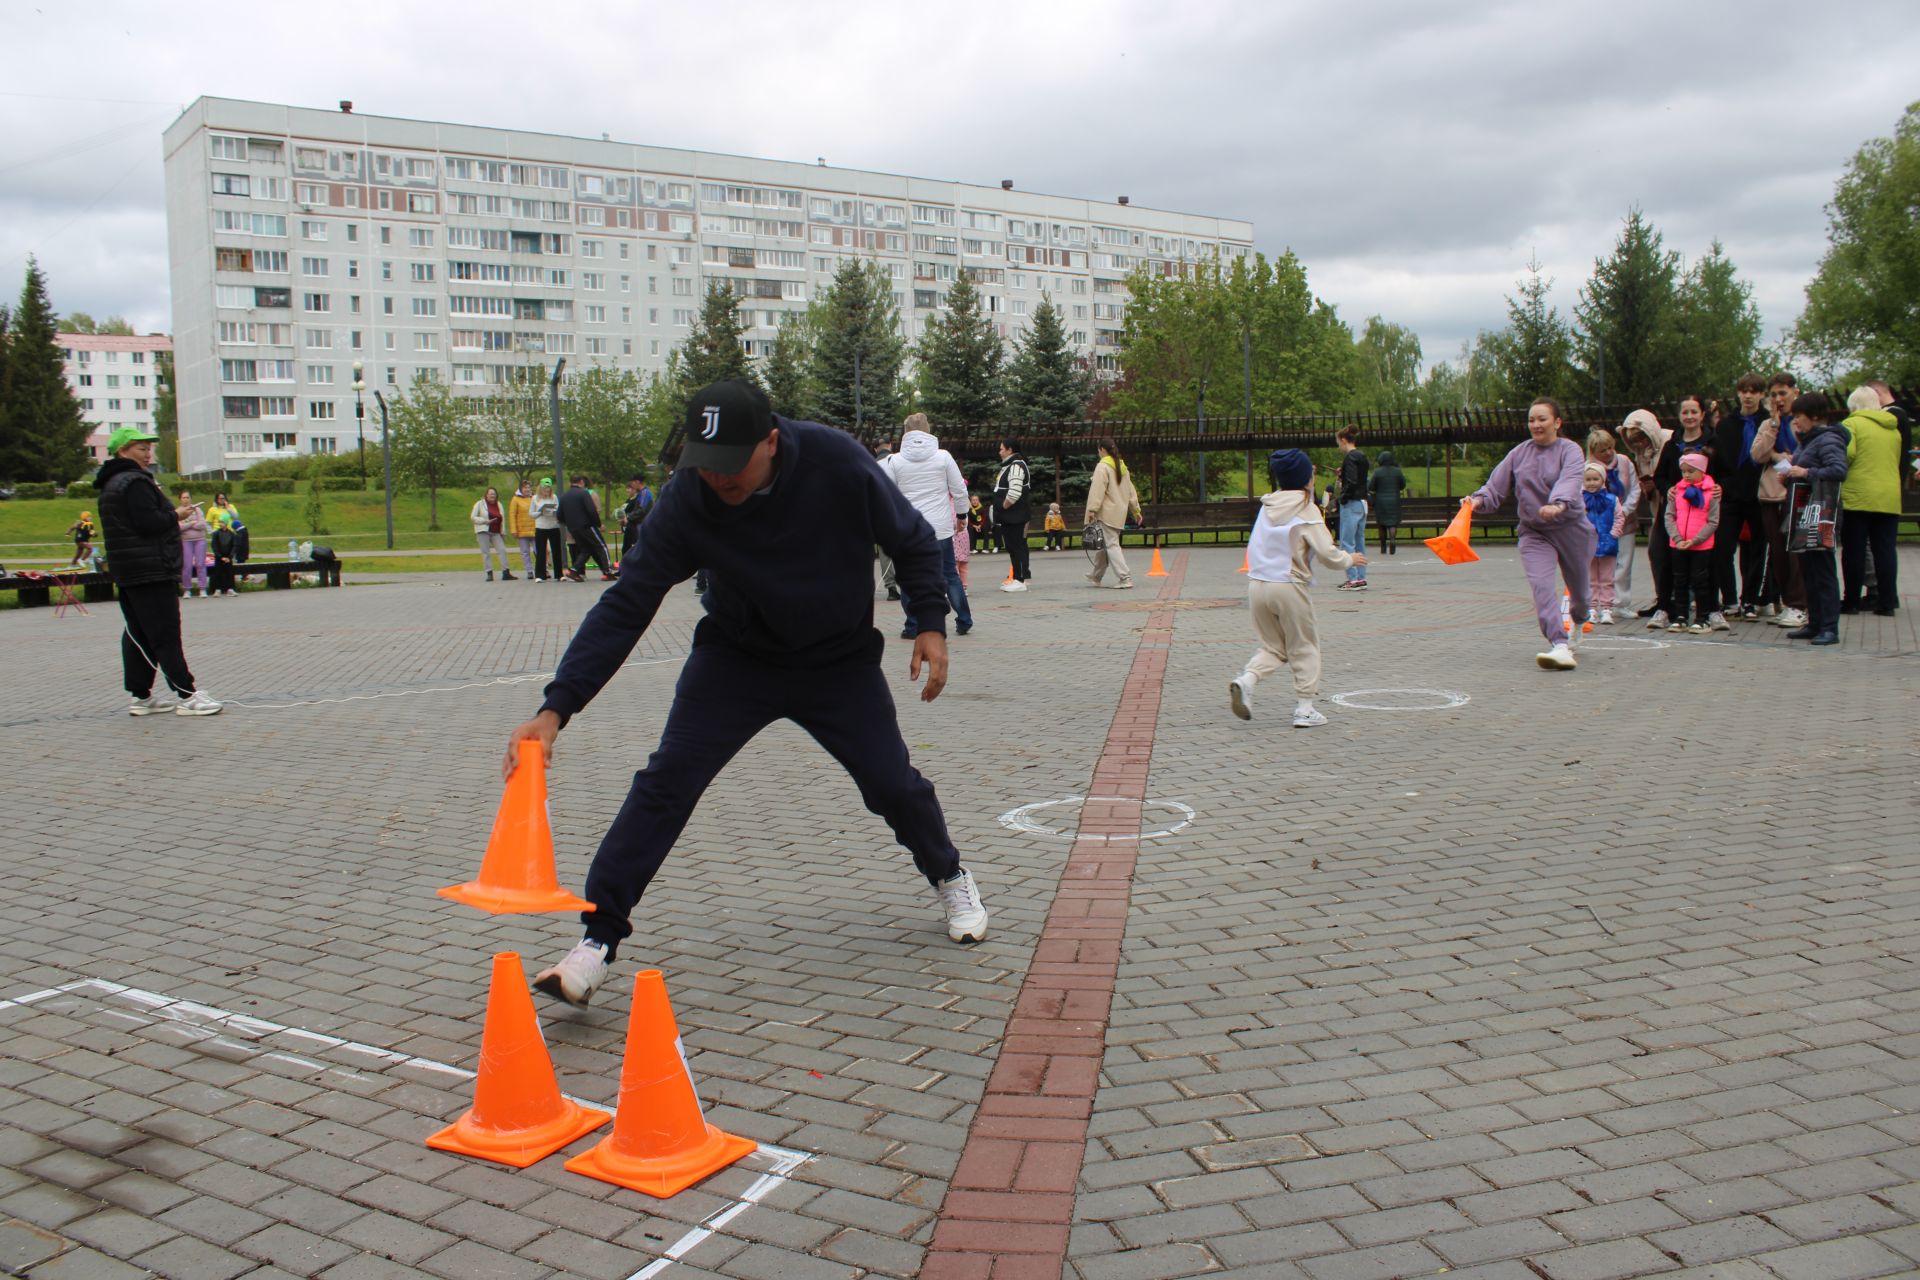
[(544, 507), (929, 479), (489, 522), (1111, 498)]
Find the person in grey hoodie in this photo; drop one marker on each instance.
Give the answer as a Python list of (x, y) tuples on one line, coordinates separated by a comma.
[(1288, 536), (929, 478)]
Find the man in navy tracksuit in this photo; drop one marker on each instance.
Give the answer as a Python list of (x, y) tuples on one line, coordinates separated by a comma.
[(783, 517)]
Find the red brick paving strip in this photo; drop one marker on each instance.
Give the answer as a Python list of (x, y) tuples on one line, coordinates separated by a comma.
[(1010, 1203)]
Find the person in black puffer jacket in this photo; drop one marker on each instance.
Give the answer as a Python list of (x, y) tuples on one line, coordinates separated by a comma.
[(143, 559)]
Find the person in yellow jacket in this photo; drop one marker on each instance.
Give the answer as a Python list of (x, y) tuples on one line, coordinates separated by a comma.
[(1870, 504), (520, 525), (1110, 500)]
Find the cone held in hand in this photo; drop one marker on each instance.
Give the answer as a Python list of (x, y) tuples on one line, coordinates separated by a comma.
[(1451, 546), (517, 875), (660, 1143), (1158, 570), (518, 1115)]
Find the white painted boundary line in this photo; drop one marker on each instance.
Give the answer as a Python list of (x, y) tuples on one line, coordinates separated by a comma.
[(412, 693), (1023, 820), (1449, 699), (197, 1016)]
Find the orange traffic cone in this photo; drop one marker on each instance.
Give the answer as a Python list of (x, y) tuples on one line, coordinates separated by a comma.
[(517, 875), (1245, 561), (1158, 570), (1009, 571), (518, 1115), (660, 1144), (1451, 546)]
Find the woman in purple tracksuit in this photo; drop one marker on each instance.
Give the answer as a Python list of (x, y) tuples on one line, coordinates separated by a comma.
[(1544, 475)]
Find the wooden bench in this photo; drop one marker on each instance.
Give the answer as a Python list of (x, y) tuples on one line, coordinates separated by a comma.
[(97, 588)]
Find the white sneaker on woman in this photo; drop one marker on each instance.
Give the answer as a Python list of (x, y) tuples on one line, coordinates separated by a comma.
[(198, 703), (1558, 658)]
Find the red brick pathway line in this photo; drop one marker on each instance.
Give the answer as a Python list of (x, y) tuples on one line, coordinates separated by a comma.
[(1010, 1204)]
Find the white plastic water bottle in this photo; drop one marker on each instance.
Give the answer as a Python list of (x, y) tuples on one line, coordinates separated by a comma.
[(1566, 612), (293, 549)]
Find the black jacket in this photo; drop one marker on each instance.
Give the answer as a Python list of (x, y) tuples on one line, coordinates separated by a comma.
[(1353, 476), (142, 533), (1666, 471), (578, 510), (1019, 512), (1738, 475)]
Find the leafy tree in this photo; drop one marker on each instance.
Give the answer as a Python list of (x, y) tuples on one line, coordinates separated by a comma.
[(1715, 329), (959, 360), (166, 412), (1046, 382), (713, 350), (1531, 357), (607, 437), (1626, 314), (316, 507), (1863, 304), (858, 351), (42, 436), (81, 322), (516, 426), (1388, 366), (785, 369), (434, 444), (663, 406)]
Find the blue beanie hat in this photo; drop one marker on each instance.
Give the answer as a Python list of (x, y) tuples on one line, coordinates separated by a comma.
[(1290, 469)]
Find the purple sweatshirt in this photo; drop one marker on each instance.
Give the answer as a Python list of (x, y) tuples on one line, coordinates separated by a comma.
[(1536, 475)]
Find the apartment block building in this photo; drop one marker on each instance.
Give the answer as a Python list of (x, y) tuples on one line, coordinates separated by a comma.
[(302, 241), (115, 378)]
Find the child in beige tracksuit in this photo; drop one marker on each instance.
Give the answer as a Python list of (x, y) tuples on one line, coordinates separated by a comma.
[(1288, 536)]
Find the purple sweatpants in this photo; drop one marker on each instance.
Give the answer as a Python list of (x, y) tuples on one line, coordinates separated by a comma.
[(1567, 545)]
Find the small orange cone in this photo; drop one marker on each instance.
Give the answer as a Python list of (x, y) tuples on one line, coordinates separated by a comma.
[(1451, 546), (518, 1115), (660, 1143), (517, 875), (1009, 571), (1245, 561), (1158, 570)]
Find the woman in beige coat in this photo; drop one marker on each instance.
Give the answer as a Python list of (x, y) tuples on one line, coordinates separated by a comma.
[(1110, 500)]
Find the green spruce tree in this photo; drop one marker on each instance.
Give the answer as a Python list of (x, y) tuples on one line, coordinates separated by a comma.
[(713, 350), (1626, 318), (960, 359), (1532, 356), (42, 436), (785, 369), (1045, 380), (858, 351)]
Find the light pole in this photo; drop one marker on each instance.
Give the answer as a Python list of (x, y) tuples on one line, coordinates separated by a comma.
[(386, 462), (360, 418), (553, 410)]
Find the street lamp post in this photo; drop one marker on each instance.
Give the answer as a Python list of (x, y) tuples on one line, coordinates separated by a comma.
[(360, 418), (386, 464)]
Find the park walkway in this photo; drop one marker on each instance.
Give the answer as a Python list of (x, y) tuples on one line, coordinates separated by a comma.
[(1501, 974)]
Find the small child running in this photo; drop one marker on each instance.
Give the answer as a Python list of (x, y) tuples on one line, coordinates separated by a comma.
[(1288, 536), (1602, 513)]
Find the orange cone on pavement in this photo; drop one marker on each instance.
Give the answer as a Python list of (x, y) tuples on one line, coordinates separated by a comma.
[(1158, 570), (517, 875), (660, 1143), (1451, 546), (1009, 571), (1246, 562), (518, 1115)]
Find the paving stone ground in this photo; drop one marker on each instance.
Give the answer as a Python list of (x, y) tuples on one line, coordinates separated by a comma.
[(1593, 975)]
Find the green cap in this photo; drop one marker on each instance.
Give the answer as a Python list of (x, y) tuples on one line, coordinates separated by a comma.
[(124, 436), (547, 481)]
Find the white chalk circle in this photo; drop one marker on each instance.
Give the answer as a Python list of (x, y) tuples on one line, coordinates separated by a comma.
[(1440, 699), (1625, 644), (1026, 819)]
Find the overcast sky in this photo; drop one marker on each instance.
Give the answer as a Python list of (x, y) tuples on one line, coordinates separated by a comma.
[(1414, 154)]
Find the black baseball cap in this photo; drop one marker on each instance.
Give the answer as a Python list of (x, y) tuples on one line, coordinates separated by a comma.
[(725, 421)]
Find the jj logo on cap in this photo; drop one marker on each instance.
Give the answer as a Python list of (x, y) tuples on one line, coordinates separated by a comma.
[(711, 417)]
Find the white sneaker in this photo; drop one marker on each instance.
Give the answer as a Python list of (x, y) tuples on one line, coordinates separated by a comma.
[(1094, 578), (1606, 617), (198, 703), (1790, 618), (1013, 585), (1658, 621), (577, 976), (153, 704), (1240, 697), (1717, 621), (1558, 658), (966, 914), (1306, 716), (1125, 584)]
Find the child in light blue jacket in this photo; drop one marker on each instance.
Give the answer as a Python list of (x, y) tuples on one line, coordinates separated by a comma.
[(1601, 509)]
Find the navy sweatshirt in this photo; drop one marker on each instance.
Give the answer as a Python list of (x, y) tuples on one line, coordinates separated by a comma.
[(789, 571)]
